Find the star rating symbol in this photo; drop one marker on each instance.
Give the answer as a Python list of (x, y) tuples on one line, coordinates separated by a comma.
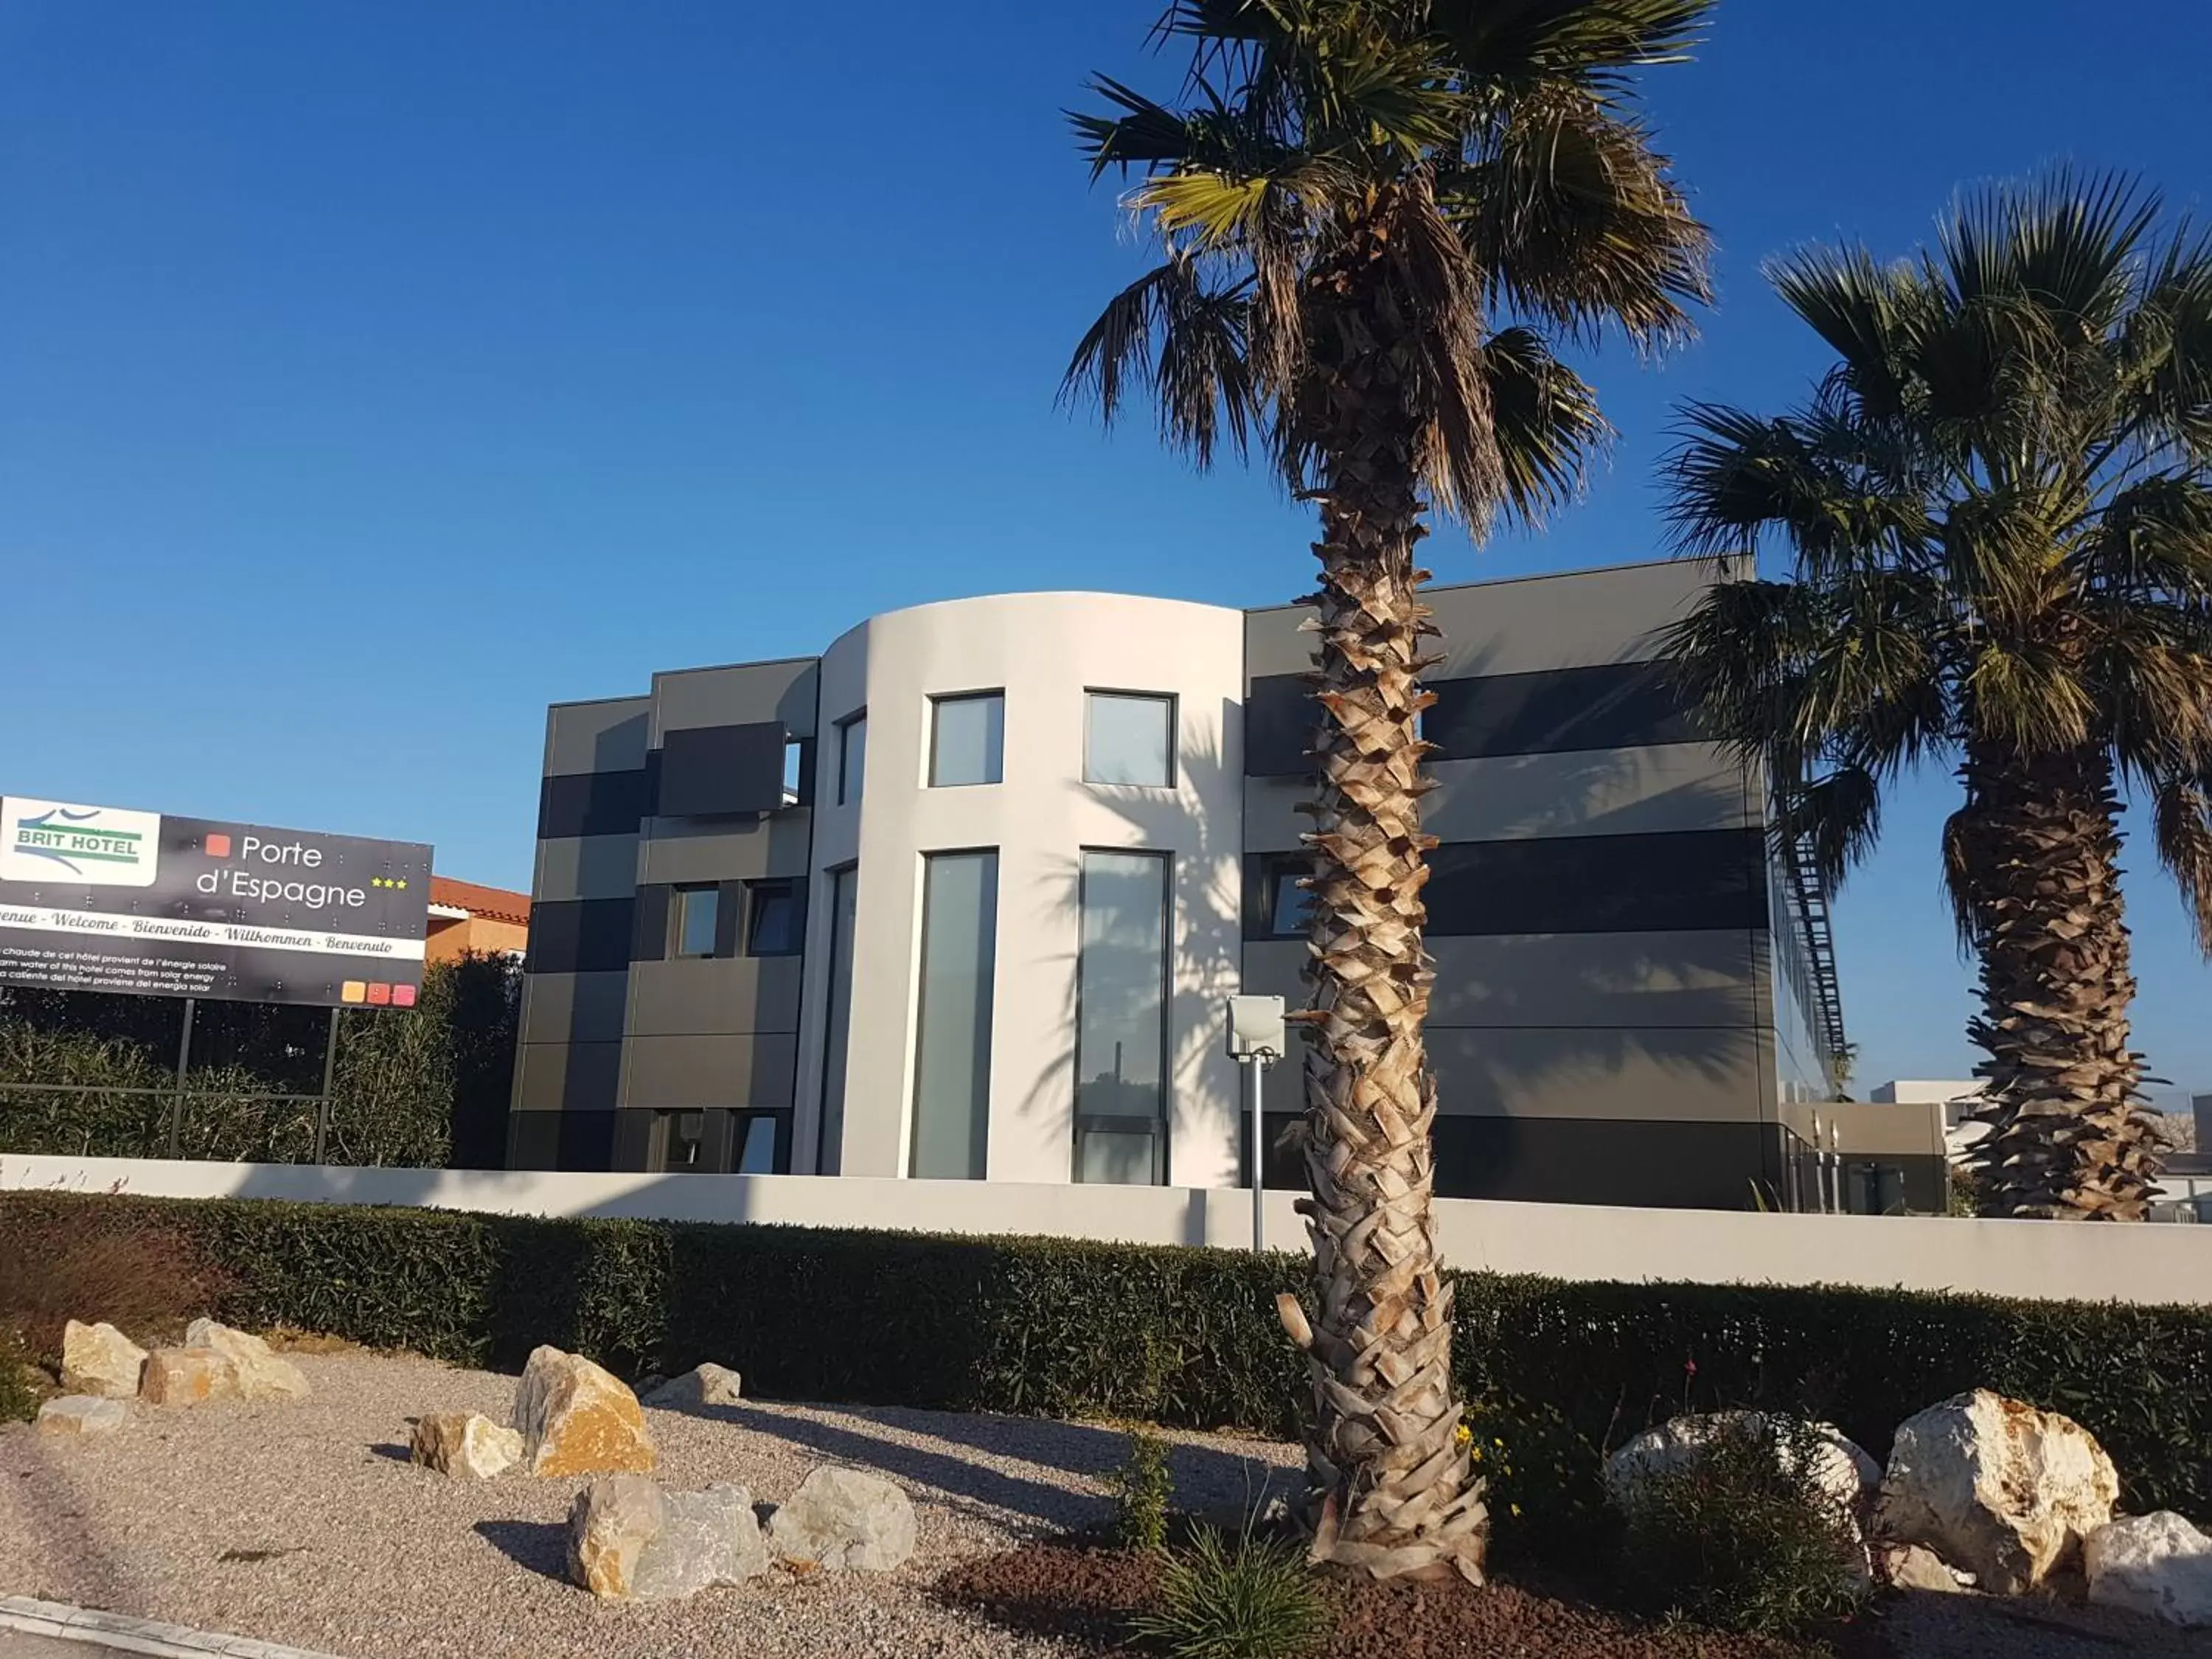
[(394, 881)]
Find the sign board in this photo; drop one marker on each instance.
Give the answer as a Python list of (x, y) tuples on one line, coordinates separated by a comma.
[(97, 898)]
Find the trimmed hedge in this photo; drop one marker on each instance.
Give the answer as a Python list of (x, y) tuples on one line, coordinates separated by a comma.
[(1055, 1328)]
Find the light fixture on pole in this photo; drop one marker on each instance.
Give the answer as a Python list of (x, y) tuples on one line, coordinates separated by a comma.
[(1256, 1041)]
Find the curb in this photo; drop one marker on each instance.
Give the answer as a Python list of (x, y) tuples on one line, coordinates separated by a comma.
[(127, 1635)]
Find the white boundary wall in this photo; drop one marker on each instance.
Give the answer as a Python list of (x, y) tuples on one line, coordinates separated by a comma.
[(2041, 1260)]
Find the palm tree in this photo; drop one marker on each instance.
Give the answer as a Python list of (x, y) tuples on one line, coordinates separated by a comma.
[(1370, 214), (1999, 508)]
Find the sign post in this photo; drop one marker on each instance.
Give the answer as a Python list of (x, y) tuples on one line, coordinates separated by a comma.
[(1256, 1041)]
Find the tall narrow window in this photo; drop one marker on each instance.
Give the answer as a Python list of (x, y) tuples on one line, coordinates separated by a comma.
[(844, 898), (795, 769), (852, 758), (1128, 738), (967, 739), (698, 910), (1121, 1035), (952, 1034)]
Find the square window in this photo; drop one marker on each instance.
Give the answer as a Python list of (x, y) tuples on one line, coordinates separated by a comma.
[(1289, 907), (851, 757), (772, 927), (698, 917), (967, 739), (683, 1141), (1128, 738)]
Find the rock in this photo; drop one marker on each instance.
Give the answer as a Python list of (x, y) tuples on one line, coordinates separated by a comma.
[(2157, 1564), (1996, 1487), (576, 1418), (628, 1540), (99, 1359), (844, 1518), (83, 1413), (188, 1376), (1845, 1474), (609, 1526), (702, 1385), (1917, 1567), (465, 1443), (262, 1374)]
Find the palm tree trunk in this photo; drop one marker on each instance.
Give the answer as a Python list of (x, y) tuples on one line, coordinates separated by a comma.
[(2069, 1137), (1393, 1491)]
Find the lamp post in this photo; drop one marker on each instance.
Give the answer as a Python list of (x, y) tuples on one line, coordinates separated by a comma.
[(1257, 1040)]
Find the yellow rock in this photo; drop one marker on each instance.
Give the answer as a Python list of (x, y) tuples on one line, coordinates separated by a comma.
[(465, 1443), (188, 1376), (576, 1418), (99, 1359), (262, 1374)]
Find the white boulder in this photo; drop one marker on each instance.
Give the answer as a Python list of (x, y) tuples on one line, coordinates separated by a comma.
[(1840, 1471), (1996, 1487), (2157, 1564), (702, 1385), (1917, 1567), (262, 1373), (99, 1359), (82, 1414), (841, 1518), (629, 1540)]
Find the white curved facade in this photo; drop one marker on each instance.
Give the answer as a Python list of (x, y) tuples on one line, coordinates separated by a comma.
[(1043, 653)]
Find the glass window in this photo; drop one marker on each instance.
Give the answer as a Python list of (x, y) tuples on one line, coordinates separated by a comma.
[(1289, 906), (967, 739), (852, 758), (952, 1034), (795, 769), (698, 913), (773, 929), (1129, 738), (683, 1139), (757, 1151), (844, 895), (1121, 1038)]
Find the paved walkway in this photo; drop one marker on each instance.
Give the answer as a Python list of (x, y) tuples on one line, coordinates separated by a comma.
[(16, 1644)]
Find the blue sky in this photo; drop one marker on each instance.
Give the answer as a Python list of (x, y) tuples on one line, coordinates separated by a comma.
[(359, 363)]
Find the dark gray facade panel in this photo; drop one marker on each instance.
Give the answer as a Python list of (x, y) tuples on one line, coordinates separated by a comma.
[(1686, 1165), (567, 1076), (1553, 711), (1572, 620), (668, 1072), (1674, 882), (742, 692), (579, 936), (1600, 979), (611, 735), (585, 867), (573, 1008), (595, 803), (715, 997), (1600, 792), (710, 771), (1702, 1074), (682, 852)]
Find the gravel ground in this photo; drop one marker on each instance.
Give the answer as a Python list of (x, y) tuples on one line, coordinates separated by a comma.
[(305, 1523)]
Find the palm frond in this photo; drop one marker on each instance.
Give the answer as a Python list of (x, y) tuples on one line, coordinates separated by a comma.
[(2181, 816), (1963, 880), (2029, 695), (1594, 43), (1438, 293), (1835, 819), (1546, 420), (1870, 315), (1188, 342)]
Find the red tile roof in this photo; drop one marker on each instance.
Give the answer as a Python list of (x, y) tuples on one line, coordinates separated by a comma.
[(494, 903)]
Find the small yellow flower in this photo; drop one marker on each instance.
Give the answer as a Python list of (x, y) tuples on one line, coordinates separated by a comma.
[(1516, 1508), (1463, 1435)]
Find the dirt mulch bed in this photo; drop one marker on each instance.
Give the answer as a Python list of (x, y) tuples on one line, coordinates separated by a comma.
[(1087, 1594)]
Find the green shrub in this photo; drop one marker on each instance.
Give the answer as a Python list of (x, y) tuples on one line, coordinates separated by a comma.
[(1052, 1327), (20, 1393), (1143, 1488), (148, 1276), (1544, 1483), (1249, 1599), (1740, 1537)]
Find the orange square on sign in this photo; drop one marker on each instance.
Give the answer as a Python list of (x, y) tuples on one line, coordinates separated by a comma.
[(218, 846), (379, 994), (353, 990)]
